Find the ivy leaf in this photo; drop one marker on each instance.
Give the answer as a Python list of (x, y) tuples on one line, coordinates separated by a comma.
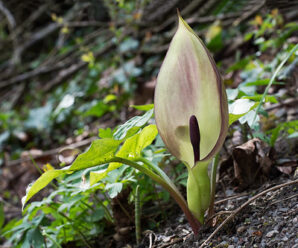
[(33, 238), (249, 118), (97, 215), (114, 189), (97, 110), (232, 94), (240, 108), (132, 126)]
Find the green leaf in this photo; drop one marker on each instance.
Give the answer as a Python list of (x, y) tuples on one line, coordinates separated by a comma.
[(240, 108), (2, 216), (99, 152), (133, 146), (249, 118), (98, 110), (261, 82), (132, 126), (143, 107), (275, 134), (232, 94), (33, 238), (40, 183), (114, 189), (105, 133), (293, 135), (239, 64), (39, 118), (290, 127), (96, 176), (258, 97), (97, 215), (131, 149)]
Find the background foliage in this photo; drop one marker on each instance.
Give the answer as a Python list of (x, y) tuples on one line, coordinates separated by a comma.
[(70, 71)]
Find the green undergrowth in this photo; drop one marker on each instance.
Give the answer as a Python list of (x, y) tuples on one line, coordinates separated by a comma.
[(77, 208)]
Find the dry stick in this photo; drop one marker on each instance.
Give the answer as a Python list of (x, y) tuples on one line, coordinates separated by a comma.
[(248, 14), (230, 198), (287, 198), (217, 214), (65, 61), (51, 152), (243, 206), (8, 15), (64, 74)]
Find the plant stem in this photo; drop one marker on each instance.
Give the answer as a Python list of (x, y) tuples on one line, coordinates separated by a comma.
[(213, 184), (159, 171), (273, 78), (83, 238), (138, 215), (195, 225), (50, 238), (108, 215), (198, 189)]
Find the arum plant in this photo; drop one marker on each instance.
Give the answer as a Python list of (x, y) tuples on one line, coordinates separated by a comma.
[(191, 116), (191, 112)]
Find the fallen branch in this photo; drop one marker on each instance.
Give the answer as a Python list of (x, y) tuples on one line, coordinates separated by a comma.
[(8, 15), (64, 74), (238, 210), (50, 152)]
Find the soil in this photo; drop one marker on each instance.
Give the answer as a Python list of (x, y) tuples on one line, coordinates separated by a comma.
[(269, 221)]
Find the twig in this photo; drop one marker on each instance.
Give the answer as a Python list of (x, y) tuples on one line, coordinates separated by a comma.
[(64, 74), (235, 212), (288, 102), (53, 64), (86, 24), (50, 152), (287, 198), (248, 14), (217, 214), (230, 198), (45, 31), (8, 15), (177, 240)]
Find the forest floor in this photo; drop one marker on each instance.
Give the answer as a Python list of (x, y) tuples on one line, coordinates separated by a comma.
[(271, 220)]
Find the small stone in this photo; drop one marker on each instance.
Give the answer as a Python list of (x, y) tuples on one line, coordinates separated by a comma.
[(284, 210), (223, 243), (235, 239), (250, 231), (295, 220), (271, 234), (285, 238), (241, 229), (230, 246)]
